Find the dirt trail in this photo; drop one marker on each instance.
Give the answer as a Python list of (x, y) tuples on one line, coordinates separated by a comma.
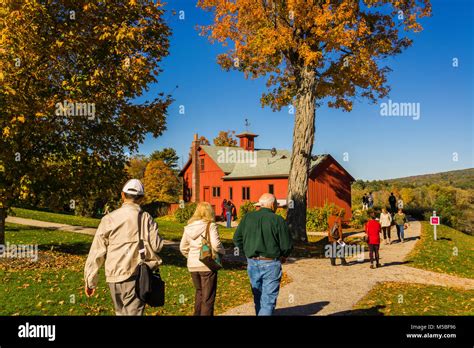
[(321, 289)]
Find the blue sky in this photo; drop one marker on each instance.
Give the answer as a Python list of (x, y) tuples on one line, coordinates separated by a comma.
[(378, 147)]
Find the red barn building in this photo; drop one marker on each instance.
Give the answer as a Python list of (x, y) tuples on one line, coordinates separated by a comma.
[(215, 173)]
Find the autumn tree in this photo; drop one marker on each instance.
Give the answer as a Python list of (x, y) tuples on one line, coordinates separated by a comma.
[(407, 195), (161, 183), (203, 140), (136, 166), (313, 52), (68, 72), (225, 139)]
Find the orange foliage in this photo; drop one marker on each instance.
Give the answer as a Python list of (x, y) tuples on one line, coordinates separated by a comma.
[(342, 41)]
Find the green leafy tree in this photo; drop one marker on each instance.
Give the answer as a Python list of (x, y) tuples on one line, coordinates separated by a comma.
[(168, 156), (68, 72)]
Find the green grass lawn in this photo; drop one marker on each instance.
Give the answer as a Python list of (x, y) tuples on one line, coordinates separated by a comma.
[(392, 298), (170, 230), (173, 230), (54, 284), (61, 218), (452, 253)]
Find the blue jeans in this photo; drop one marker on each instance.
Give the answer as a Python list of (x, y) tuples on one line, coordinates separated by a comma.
[(228, 219), (401, 232), (265, 277)]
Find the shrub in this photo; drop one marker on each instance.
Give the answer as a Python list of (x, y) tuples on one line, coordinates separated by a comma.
[(359, 218), (245, 208), (182, 215), (317, 218)]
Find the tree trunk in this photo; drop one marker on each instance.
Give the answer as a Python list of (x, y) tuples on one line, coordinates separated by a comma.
[(303, 138), (3, 216)]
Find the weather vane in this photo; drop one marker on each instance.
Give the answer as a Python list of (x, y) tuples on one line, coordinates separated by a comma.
[(247, 125)]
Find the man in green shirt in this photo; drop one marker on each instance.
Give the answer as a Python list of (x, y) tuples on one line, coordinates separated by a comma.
[(264, 239)]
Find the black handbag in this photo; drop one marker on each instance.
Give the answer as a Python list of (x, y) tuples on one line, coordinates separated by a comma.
[(149, 287)]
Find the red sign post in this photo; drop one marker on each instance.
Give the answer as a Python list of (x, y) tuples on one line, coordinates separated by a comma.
[(434, 221)]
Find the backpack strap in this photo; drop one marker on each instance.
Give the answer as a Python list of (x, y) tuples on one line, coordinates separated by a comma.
[(141, 245), (207, 237), (208, 227)]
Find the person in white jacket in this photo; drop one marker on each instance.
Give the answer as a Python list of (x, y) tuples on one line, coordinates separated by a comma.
[(386, 223), (204, 280)]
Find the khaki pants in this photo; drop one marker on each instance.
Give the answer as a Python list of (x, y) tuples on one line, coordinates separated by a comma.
[(125, 300)]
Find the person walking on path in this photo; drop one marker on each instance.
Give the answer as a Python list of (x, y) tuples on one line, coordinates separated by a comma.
[(386, 223), (365, 202), (336, 239), (265, 240), (392, 200), (228, 214), (234, 211), (370, 200), (372, 229), (401, 222), (117, 243), (204, 279), (224, 202)]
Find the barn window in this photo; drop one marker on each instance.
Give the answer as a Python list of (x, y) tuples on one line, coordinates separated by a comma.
[(202, 163), (231, 193), (216, 192), (245, 193), (271, 188)]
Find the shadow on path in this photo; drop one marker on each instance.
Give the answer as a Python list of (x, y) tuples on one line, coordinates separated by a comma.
[(72, 248), (395, 263), (376, 310), (307, 309)]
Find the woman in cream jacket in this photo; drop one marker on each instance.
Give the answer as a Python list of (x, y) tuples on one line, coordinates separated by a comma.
[(386, 223), (204, 280)]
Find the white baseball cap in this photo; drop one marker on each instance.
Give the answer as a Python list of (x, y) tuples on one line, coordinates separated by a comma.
[(134, 187)]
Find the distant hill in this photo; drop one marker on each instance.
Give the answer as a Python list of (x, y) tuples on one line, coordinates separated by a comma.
[(463, 179)]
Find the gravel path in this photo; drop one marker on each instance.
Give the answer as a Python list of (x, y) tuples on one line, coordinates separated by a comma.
[(317, 288)]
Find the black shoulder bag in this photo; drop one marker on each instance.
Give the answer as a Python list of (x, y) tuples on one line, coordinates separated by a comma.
[(149, 287)]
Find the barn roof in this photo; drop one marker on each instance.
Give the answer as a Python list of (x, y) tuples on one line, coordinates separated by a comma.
[(213, 152), (263, 165)]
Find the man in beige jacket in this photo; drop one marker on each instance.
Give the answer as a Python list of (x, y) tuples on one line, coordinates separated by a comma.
[(116, 242)]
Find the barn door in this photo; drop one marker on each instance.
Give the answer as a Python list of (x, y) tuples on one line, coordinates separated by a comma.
[(207, 194)]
